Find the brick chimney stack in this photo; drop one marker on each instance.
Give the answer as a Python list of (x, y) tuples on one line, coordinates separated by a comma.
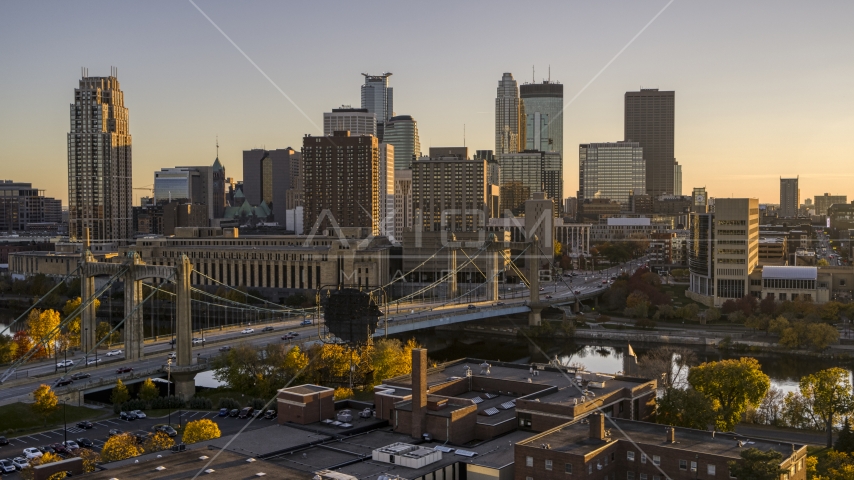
[(671, 435), (419, 390), (597, 426)]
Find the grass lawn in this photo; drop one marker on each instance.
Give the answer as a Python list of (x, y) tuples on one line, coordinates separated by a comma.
[(19, 418)]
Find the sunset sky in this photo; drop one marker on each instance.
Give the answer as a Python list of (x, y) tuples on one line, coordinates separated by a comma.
[(763, 89)]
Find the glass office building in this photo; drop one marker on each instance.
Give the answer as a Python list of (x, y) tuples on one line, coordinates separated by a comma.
[(523, 173), (543, 105), (402, 132), (611, 170)]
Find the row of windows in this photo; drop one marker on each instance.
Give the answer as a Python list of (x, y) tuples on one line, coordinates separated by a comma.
[(788, 283)]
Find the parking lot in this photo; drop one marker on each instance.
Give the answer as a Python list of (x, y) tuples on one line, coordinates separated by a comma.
[(98, 434)]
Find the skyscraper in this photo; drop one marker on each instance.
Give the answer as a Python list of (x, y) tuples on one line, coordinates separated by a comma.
[(823, 202), (611, 170), (402, 132), (268, 175), (358, 121), (100, 195), (378, 98), (790, 197), (543, 105), (523, 173), (402, 202), (509, 117), (386, 189), (341, 182), (649, 120), (217, 208), (450, 194)]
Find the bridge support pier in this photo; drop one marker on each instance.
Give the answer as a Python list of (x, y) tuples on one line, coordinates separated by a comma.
[(184, 384), (452, 267), (134, 337), (183, 320), (535, 318), (88, 322), (576, 307), (492, 276), (532, 264)]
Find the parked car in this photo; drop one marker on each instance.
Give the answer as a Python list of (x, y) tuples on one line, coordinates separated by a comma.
[(305, 322), (235, 412), (114, 431), (114, 353), (85, 425), (129, 416), (246, 412), (63, 382), (223, 412), (141, 437), (60, 449), (225, 348), (64, 363), (270, 414), (80, 376), (94, 361), (20, 463), (3, 441), (71, 445), (167, 429), (248, 330), (267, 329), (45, 449), (85, 442), (6, 466), (138, 413), (121, 370)]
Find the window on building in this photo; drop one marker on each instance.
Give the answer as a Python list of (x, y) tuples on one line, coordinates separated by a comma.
[(567, 468), (643, 476), (606, 460), (548, 464), (589, 468), (643, 458), (782, 296), (630, 456), (630, 475), (529, 461), (656, 460), (693, 466), (683, 464), (710, 469)]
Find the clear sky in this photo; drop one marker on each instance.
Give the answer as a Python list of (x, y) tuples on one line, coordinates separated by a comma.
[(763, 89)]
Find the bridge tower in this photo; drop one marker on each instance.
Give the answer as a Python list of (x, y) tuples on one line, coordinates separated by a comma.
[(452, 266), (492, 268), (532, 264)]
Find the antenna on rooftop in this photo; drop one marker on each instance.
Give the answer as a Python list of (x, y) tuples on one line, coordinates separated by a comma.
[(217, 146), (464, 134)]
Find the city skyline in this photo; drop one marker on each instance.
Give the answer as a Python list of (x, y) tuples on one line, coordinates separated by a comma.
[(726, 96)]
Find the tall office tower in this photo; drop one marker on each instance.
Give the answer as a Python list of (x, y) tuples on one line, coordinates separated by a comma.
[(677, 179), (377, 98), (523, 173), (723, 249), (100, 188), (450, 194), (21, 205), (790, 197), (822, 203), (543, 104), (179, 183), (402, 132), (699, 200), (340, 182), (649, 120), (217, 207), (267, 177), (509, 117), (359, 121), (611, 170), (402, 203), (570, 207), (385, 220), (493, 171)]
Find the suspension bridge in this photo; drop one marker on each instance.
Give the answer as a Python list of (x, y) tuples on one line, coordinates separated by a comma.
[(134, 274)]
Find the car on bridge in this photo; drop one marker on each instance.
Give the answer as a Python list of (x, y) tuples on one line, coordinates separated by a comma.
[(80, 376), (305, 322), (290, 335), (94, 361), (225, 348), (64, 363), (63, 382), (85, 425), (548, 297), (267, 329), (114, 353), (171, 356), (197, 340), (122, 370), (472, 307), (247, 330)]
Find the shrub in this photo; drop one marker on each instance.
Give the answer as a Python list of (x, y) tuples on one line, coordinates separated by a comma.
[(228, 403), (257, 403), (130, 405), (200, 403), (170, 402)]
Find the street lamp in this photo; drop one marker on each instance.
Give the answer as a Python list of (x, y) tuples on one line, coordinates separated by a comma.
[(168, 384), (65, 419)]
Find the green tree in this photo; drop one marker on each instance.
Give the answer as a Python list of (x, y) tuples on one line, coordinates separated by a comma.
[(732, 386), (148, 391), (102, 331), (757, 464), (821, 335), (120, 393), (8, 349), (44, 402), (684, 408), (845, 439), (778, 325), (830, 393)]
